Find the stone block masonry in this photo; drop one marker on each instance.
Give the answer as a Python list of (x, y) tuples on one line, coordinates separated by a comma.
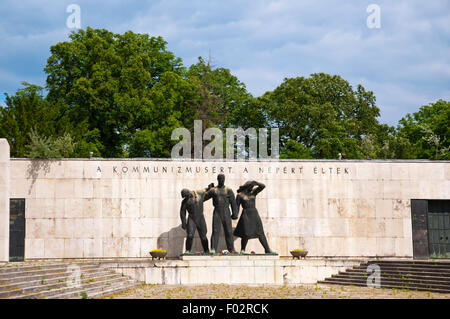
[(4, 199), (233, 270), (81, 208)]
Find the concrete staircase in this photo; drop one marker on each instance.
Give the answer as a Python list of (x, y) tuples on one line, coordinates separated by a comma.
[(433, 276), (61, 280)]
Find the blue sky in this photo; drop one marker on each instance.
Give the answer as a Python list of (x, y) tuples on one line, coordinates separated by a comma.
[(405, 62)]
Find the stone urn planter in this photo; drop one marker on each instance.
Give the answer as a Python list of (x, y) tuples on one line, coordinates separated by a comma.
[(299, 253), (158, 253)]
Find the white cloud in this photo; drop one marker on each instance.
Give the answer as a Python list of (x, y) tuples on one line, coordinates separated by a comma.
[(405, 62)]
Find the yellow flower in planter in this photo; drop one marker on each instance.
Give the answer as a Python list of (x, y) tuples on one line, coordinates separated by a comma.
[(159, 250), (297, 249)]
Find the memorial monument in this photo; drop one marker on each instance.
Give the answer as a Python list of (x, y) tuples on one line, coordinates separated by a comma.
[(223, 197), (193, 203), (250, 224)]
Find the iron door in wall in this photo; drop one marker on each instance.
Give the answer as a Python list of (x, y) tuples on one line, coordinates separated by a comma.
[(16, 229), (439, 228), (419, 211), (438, 235)]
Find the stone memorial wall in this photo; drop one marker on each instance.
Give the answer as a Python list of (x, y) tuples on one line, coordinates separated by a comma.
[(125, 208), (4, 200)]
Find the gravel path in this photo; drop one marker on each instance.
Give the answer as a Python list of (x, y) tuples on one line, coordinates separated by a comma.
[(270, 291)]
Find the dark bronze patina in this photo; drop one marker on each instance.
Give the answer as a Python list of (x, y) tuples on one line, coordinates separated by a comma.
[(193, 203), (250, 224), (223, 197)]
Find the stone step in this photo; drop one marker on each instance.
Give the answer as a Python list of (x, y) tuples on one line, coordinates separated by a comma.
[(445, 272), (64, 290), (13, 268), (407, 268), (442, 263), (45, 275), (397, 276), (402, 272), (382, 285), (409, 263), (97, 292), (108, 292), (49, 286), (436, 281), (31, 280), (424, 275), (60, 279), (43, 270)]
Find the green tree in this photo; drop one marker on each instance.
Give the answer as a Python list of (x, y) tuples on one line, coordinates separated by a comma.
[(428, 131), (322, 114), (224, 100), (106, 80), (386, 143), (49, 147), (28, 110), (294, 149), (171, 103)]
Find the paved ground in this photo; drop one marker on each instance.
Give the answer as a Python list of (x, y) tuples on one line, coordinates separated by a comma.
[(270, 291)]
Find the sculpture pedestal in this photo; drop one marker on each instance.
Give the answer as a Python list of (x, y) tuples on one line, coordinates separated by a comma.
[(236, 269), (234, 257), (224, 269)]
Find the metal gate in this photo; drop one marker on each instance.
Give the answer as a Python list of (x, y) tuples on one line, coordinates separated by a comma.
[(439, 229), (419, 213), (16, 229)]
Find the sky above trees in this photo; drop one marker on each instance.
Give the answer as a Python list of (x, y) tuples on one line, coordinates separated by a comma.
[(404, 62), (123, 95)]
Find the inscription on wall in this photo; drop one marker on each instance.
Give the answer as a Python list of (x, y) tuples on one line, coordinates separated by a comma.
[(218, 169)]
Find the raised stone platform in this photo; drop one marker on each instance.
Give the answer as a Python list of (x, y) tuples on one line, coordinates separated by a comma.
[(212, 257), (246, 269)]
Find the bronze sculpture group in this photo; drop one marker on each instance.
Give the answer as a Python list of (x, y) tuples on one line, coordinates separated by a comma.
[(249, 225)]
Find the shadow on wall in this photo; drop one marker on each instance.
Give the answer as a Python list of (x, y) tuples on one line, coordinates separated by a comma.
[(174, 242), (34, 168)]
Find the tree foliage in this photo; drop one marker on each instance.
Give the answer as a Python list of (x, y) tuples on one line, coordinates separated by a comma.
[(428, 131), (170, 107), (49, 147), (106, 79), (122, 95), (26, 111), (224, 100), (322, 116)]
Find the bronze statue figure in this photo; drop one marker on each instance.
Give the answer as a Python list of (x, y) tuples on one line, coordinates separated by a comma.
[(250, 224), (222, 197), (193, 203)]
